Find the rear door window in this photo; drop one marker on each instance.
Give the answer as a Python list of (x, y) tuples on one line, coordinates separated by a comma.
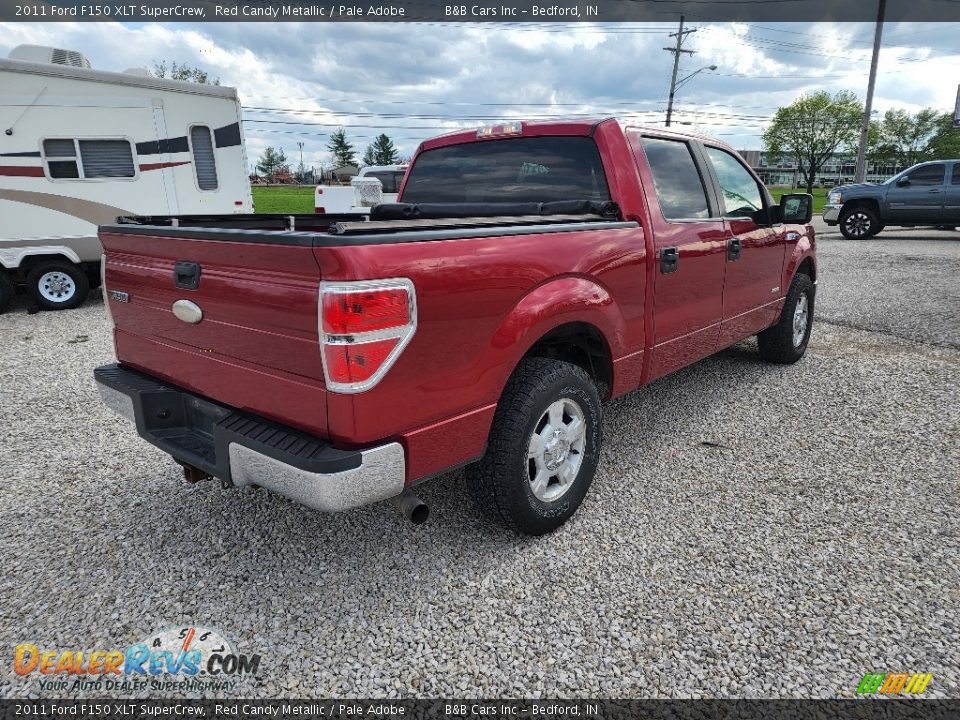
[(536, 169), (680, 188)]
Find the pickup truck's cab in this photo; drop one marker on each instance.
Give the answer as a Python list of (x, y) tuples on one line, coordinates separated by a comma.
[(925, 194), (531, 271)]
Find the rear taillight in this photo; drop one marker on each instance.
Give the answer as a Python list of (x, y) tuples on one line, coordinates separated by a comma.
[(364, 326)]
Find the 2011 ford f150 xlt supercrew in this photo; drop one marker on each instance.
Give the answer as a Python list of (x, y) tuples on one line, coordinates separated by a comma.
[(528, 272)]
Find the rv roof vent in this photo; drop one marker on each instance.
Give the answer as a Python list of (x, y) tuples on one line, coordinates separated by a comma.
[(49, 55)]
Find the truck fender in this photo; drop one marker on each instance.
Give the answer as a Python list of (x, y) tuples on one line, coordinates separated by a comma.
[(802, 254), (11, 258), (557, 302)]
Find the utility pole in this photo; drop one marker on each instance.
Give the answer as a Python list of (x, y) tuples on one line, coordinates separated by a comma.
[(300, 169), (861, 172), (677, 51)]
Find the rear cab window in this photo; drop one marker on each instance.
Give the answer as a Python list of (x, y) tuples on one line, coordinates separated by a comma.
[(534, 169)]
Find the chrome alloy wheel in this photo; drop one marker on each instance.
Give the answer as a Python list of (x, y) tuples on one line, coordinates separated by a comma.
[(57, 287), (857, 224), (556, 450), (801, 318)]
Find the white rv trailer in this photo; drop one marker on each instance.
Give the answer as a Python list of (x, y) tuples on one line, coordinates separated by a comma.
[(79, 147)]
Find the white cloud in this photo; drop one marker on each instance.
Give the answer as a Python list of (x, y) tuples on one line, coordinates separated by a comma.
[(414, 81)]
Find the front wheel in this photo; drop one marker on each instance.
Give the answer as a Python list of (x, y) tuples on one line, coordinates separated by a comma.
[(859, 223), (543, 448), (786, 342), (58, 285)]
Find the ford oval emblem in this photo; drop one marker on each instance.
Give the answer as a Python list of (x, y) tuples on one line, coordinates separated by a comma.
[(187, 311)]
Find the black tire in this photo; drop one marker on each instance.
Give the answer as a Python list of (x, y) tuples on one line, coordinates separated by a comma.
[(859, 223), (57, 285), (777, 344), (7, 290), (501, 482)]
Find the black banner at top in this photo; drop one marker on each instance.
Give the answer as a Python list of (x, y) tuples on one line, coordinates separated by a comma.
[(476, 10)]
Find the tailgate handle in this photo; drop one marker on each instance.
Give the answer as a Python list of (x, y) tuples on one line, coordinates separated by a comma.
[(186, 275)]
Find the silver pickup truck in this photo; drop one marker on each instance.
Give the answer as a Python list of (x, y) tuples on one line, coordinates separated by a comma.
[(925, 194)]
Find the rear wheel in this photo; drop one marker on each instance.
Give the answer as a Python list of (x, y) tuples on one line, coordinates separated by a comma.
[(58, 285), (786, 342), (859, 223), (543, 448), (7, 290)]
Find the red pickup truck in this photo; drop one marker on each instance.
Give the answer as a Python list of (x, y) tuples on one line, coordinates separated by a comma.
[(528, 272)]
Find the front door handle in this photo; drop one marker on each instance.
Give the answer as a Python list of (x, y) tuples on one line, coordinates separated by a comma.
[(669, 259), (935, 190), (733, 249)]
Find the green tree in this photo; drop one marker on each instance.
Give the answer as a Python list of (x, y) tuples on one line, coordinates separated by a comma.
[(945, 143), (381, 152), (812, 129), (270, 162), (182, 71), (342, 151), (905, 138)]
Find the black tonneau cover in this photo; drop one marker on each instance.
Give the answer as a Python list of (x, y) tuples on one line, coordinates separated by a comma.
[(388, 223)]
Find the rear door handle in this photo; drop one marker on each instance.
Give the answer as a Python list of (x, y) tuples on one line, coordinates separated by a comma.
[(935, 190), (669, 259), (733, 249)]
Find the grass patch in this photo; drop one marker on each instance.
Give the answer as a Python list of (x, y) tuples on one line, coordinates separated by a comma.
[(283, 200), (819, 196), (295, 201)]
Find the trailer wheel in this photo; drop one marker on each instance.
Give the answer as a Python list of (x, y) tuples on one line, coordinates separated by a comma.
[(543, 448), (7, 290), (58, 285)]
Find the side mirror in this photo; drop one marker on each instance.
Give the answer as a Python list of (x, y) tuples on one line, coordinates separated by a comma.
[(796, 208), (903, 182)]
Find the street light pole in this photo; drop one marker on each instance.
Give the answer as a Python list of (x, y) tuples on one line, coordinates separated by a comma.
[(861, 172)]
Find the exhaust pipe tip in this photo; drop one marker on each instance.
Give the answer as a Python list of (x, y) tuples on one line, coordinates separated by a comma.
[(412, 507)]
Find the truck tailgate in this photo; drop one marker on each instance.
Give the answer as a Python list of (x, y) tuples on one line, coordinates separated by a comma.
[(256, 346)]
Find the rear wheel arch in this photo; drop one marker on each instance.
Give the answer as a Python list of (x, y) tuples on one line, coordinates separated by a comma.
[(581, 344)]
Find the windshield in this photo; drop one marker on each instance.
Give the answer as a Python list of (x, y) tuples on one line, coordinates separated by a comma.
[(537, 169)]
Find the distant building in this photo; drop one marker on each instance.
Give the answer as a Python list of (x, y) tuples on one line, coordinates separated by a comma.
[(838, 169)]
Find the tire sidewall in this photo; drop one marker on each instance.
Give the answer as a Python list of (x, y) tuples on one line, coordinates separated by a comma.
[(536, 515), (79, 277), (801, 285), (872, 230)]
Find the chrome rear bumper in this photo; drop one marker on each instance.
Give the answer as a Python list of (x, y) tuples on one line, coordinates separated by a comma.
[(244, 450)]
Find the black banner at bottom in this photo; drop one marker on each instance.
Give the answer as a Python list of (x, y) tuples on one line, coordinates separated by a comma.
[(862, 709)]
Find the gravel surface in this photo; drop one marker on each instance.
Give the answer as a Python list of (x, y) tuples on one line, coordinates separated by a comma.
[(902, 282), (753, 531)]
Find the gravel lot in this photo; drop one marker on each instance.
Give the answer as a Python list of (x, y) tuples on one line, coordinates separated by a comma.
[(753, 530)]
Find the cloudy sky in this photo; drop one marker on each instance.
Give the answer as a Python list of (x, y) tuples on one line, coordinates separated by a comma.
[(299, 82)]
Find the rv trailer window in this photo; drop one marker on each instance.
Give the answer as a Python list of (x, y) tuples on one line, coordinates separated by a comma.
[(204, 161), (107, 159), (61, 159), (89, 159)]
